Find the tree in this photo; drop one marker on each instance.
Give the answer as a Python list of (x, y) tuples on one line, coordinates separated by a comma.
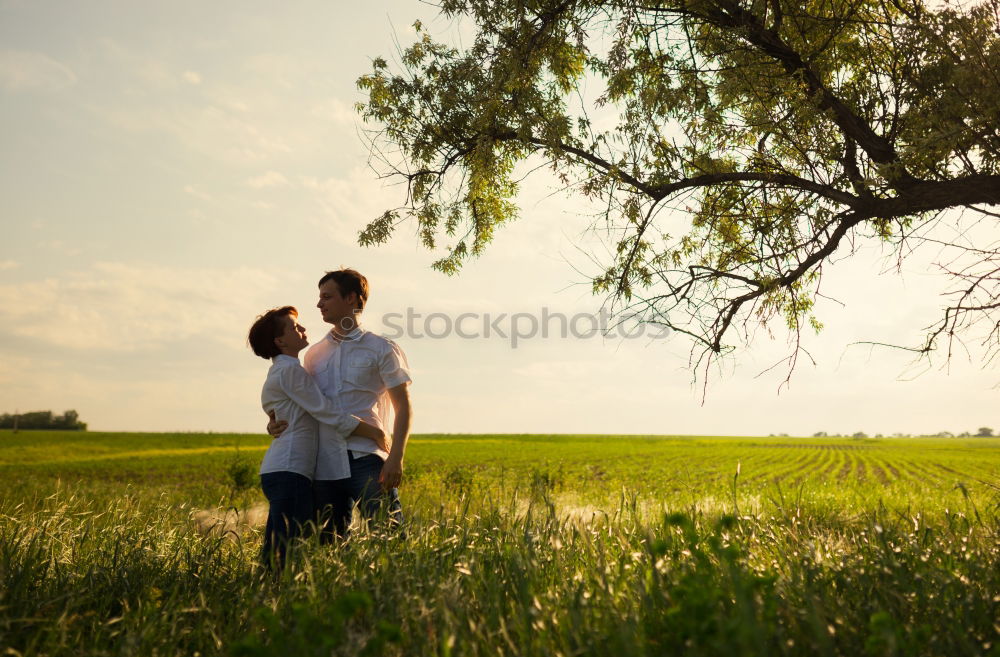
[(70, 420), (984, 432), (753, 140)]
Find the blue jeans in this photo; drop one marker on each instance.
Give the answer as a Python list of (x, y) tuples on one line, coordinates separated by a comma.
[(335, 499), (291, 509)]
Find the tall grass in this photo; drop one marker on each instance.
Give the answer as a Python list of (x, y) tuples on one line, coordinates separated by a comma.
[(513, 572)]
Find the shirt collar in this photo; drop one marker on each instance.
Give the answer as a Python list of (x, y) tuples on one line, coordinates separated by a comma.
[(284, 358), (353, 336)]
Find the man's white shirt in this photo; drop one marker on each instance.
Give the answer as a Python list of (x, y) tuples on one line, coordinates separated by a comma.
[(355, 374), (294, 397)]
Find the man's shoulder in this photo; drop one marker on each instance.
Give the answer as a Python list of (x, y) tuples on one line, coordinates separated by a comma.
[(379, 342)]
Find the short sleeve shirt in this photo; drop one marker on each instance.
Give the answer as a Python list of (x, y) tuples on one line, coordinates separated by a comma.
[(355, 373)]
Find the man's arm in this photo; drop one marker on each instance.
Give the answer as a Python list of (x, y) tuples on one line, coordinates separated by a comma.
[(392, 470)]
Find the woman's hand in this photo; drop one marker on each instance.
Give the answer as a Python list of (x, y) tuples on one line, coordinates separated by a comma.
[(372, 432), (275, 427)]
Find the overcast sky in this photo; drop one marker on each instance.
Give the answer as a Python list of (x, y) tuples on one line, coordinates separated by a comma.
[(172, 169)]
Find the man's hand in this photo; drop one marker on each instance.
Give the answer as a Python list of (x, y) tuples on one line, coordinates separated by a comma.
[(275, 427), (392, 473), (366, 430)]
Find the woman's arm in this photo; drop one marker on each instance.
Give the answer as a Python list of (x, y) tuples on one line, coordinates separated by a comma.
[(301, 389)]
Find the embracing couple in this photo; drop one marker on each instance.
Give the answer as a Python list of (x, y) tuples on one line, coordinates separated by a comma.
[(330, 419)]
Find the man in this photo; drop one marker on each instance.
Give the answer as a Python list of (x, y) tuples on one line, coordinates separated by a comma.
[(367, 376)]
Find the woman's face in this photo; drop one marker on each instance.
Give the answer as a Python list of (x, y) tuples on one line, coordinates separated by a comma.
[(293, 338)]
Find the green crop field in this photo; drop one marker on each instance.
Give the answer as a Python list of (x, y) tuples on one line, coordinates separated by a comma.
[(145, 544)]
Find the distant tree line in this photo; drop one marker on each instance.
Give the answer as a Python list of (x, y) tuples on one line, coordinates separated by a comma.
[(981, 432), (68, 421)]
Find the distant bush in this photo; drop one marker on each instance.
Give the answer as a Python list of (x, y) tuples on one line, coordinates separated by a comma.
[(241, 474), (68, 421), (459, 478)]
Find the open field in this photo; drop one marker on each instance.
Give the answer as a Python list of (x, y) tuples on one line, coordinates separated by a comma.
[(517, 545)]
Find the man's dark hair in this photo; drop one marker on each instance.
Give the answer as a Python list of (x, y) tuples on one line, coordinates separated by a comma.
[(266, 328), (349, 280)]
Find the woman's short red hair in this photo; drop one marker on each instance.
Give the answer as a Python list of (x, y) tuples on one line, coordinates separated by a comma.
[(266, 328)]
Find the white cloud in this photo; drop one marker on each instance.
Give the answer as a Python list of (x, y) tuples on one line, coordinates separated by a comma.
[(238, 126), (268, 179), (59, 246), (137, 66), (197, 193), (277, 69), (555, 370), (252, 115), (23, 69), (335, 110), (119, 306), (6, 265), (345, 204)]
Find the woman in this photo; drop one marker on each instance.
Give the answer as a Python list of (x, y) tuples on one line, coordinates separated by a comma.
[(289, 392)]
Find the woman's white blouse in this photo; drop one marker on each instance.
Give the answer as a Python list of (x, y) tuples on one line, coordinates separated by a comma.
[(291, 393)]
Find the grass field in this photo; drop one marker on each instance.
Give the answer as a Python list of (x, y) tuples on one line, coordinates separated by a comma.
[(517, 545)]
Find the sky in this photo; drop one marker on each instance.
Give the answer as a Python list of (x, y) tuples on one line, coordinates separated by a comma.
[(169, 170)]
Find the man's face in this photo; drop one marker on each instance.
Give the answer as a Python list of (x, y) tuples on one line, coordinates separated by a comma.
[(335, 308)]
